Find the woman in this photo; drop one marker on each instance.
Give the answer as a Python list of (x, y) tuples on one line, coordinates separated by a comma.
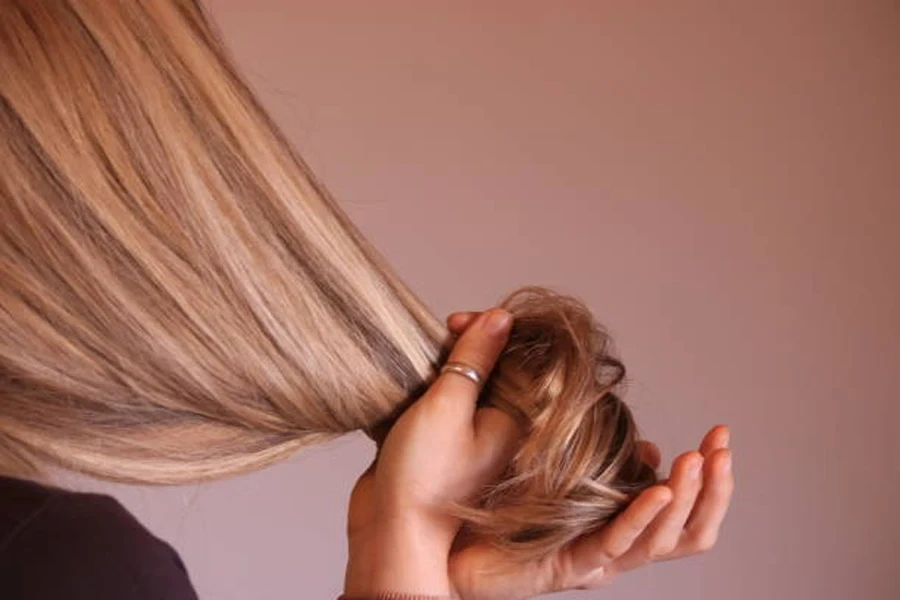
[(183, 301)]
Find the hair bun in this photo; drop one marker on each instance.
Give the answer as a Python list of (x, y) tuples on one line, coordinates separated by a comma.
[(579, 463)]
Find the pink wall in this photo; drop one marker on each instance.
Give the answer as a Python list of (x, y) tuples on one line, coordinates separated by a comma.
[(719, 180)]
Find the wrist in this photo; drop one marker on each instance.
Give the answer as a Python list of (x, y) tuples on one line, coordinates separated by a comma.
[(403, 554)]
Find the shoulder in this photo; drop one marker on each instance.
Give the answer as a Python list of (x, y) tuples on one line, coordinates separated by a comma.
[(73, 545)]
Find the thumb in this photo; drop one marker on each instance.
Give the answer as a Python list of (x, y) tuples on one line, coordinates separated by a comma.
[(478, 348)]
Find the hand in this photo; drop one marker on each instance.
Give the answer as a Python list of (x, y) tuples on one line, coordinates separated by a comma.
[(440, 451), (678, 518)]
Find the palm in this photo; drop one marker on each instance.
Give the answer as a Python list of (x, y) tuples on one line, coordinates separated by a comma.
[(482, 572)]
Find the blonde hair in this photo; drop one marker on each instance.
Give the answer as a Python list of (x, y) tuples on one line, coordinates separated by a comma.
[(182, 300)]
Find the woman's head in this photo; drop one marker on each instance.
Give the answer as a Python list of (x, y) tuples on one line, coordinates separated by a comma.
[(182, 299)]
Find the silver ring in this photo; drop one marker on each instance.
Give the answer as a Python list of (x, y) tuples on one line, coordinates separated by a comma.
[(463, 369)]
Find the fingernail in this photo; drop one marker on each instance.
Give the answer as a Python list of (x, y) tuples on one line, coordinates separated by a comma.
[(727, 466), (498, 320)]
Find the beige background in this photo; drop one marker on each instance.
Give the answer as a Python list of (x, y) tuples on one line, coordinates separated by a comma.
[(719, 180)]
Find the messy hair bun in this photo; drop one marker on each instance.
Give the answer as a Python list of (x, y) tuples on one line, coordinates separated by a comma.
[(579, 463)]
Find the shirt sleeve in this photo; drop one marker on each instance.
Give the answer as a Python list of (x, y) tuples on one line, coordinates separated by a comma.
[(395, 596), (87, 546)]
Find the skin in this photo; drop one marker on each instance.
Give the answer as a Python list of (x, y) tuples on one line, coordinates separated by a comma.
[(444, 449)]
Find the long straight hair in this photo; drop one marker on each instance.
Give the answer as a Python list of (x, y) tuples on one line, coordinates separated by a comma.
[(182, 300)]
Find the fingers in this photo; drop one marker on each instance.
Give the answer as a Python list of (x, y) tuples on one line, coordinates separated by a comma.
[(594, 551), (702, 529), (458, 321), (691, 522), (478, 347), (649, 453), (717, 438), (685, 483)]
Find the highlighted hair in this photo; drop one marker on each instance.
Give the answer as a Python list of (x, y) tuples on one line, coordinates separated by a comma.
[(182, 300)]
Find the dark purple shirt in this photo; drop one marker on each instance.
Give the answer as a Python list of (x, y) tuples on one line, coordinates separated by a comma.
[(57, 545)]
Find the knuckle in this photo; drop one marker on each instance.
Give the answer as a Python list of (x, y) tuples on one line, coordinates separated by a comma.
[(556, 571), (705, 542), (660, 549), (610, 552), (480, 359)]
